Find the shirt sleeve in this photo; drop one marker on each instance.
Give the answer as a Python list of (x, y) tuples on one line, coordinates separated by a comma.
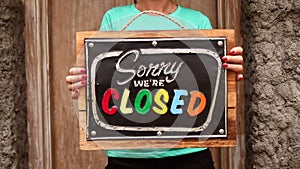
[(205, 23), (106, 23)]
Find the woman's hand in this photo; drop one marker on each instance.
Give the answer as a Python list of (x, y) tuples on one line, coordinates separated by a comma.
[(76, 80), (235, 62)]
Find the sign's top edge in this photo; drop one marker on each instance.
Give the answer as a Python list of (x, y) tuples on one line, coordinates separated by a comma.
[(147, 39)]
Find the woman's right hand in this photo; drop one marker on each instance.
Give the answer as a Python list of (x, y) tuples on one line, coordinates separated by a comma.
[(76, 79)]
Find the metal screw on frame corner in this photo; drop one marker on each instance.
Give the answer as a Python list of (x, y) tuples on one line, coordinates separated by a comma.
[(220, 43), (91, 45), (221, 131), (154, 43), (93, 133)]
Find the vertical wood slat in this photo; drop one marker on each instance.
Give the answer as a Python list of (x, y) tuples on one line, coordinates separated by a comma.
[(229, 18), (67, 18), (37, 74), (238, 154)]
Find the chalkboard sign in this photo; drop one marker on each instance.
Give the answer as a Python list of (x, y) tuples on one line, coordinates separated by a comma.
[(156, 89)]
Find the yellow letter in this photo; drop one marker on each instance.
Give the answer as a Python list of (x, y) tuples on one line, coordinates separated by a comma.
[(163, 107)]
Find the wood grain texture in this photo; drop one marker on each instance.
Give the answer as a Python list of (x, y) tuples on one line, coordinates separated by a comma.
[(53, 138), (229, 12), (68, 17), (125, 144), (37, 76)]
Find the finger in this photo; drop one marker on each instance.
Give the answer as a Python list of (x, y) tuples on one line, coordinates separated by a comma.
[(75, 94), (234, 67), (236, 51), (233, 59), (75, 78), (78, 85), (77, 71)]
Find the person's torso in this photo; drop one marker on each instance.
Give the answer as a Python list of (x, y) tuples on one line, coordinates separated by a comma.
[(116, 19)]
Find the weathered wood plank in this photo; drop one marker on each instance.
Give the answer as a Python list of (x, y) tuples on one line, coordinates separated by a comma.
[(229, 18), (37, 76)]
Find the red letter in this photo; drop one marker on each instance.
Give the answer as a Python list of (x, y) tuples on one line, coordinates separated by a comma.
[(105, 101)]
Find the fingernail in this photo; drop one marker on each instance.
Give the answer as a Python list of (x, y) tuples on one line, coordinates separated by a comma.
[(83, 82), (76, 90), (82, 71), (225, 65), (232, 52), (224, 58), (84, 77)]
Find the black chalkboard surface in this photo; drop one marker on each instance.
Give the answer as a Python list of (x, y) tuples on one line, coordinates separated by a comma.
[(149, 88)]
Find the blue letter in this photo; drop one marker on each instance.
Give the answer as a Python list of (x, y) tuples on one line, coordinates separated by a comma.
[(177, 102)]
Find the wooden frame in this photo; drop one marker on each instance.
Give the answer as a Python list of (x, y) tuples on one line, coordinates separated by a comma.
[(125, 144)]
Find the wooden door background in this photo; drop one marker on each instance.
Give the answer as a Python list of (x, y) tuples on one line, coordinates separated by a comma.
[(50, 51)]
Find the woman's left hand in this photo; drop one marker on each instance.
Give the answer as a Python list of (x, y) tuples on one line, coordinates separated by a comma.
[(235, 62)]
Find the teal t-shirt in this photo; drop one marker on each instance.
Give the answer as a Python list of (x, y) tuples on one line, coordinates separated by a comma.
[(115, 19)]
